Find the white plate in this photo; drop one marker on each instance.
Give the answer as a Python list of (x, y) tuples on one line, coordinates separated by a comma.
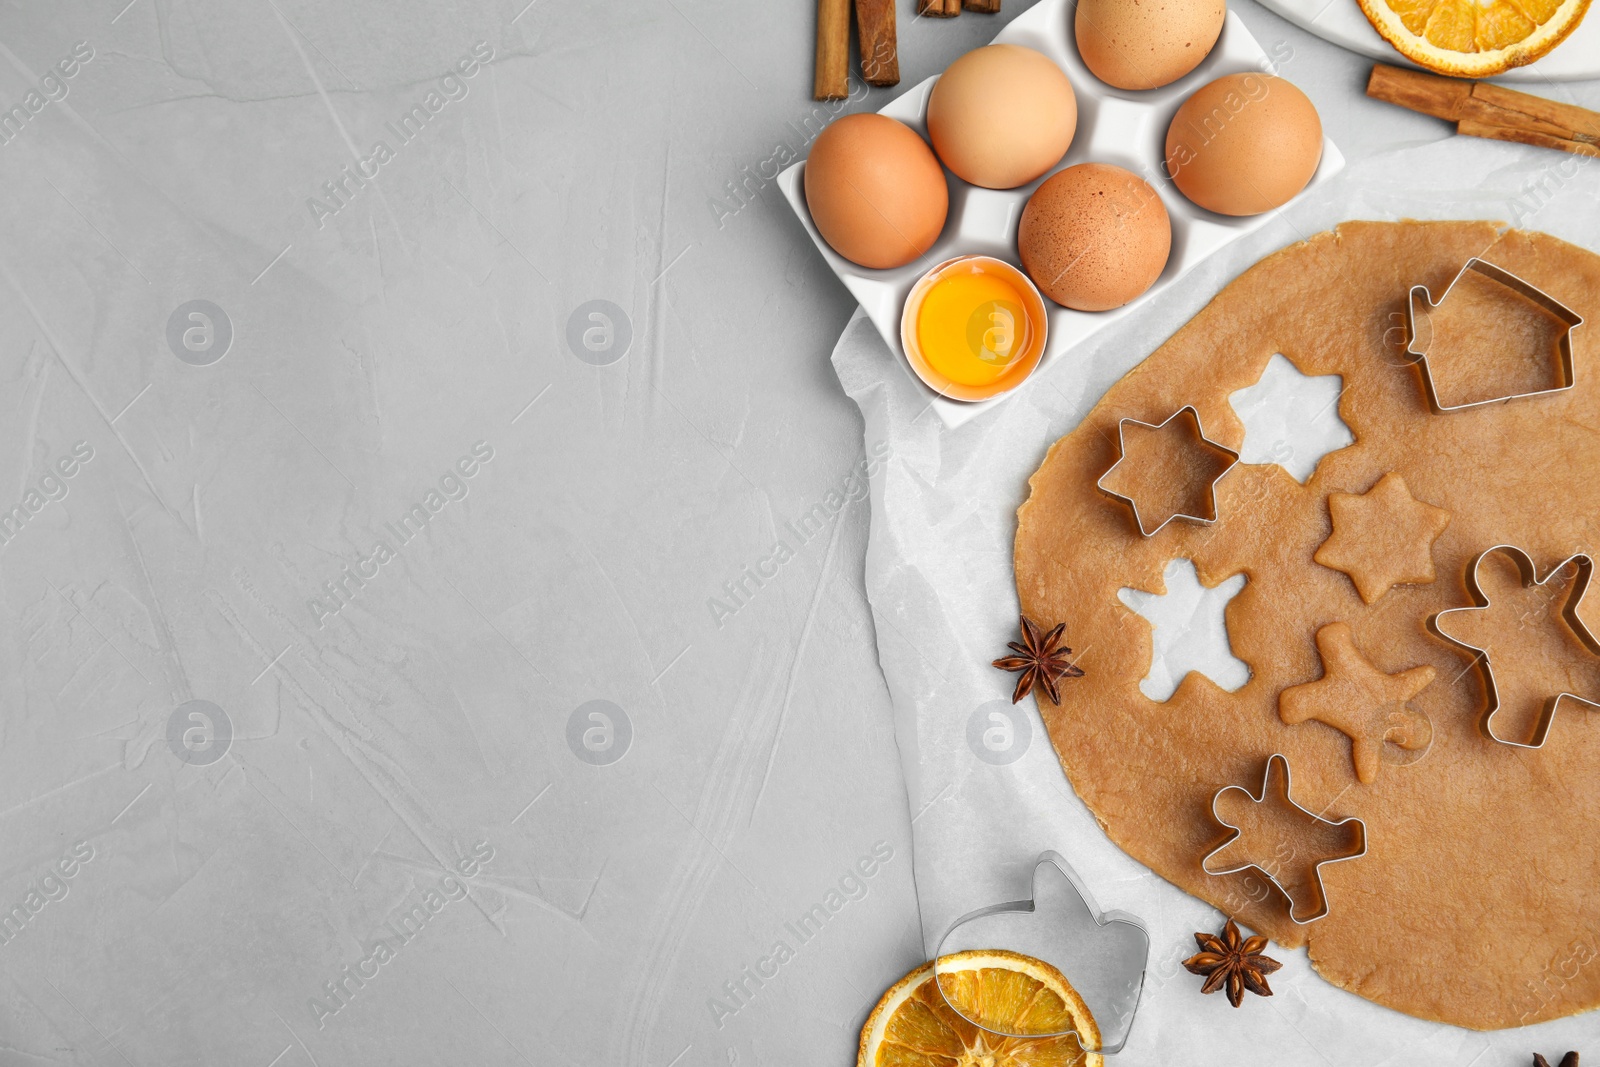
[(1341, 21), (1128, 129)]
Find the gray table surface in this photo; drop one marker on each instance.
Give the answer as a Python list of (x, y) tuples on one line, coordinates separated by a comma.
[(397, 831)]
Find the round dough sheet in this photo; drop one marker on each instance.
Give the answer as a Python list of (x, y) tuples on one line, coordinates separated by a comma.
[(1477, 902)]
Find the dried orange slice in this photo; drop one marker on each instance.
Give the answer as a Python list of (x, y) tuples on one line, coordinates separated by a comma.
[(1474, 38), (914, 1026)]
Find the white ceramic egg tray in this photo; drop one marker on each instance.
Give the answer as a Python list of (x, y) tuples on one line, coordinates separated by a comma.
[(1128, 129)]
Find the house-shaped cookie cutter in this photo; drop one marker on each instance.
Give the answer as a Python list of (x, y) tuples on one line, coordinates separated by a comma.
[(1323, 908), (1419, 333)]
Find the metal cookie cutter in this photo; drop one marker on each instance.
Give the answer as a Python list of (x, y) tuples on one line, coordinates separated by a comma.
[(1420, 337), (1199, 431), (1530, 578), (1103, 955), (1280, 763)]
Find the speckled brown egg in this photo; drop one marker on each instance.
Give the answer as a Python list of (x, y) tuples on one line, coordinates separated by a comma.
[(1144, 44), (1002, 115), (1094, 236), (1244, 144), (875, 191)]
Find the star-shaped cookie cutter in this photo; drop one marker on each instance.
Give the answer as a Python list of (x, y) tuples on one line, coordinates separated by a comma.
[(1530, 579), (1211, 489), (1282, 761), (1520, 286)]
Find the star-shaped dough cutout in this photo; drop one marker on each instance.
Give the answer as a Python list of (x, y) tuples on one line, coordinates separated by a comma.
[(1383, 537), (1360, 701), (1168, 471), (1531, 644), (1290, 418)]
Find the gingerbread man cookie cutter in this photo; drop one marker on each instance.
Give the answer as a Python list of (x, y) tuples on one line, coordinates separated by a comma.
[(1211, 489), (1322, 907), (1530, 579), (1418, 340)]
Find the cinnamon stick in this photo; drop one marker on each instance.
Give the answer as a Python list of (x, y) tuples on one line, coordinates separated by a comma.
[(1482, 110), (880, 64), (1581, 121), (1474, 128), (983, 7), (939, 9), (1412, 89), (832, 78)]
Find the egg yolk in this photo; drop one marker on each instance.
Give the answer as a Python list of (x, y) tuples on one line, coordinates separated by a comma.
[(973, 327)]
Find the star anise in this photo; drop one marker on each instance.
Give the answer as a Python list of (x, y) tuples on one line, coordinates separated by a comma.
[(1569, 1060), (1040, 661), (1239, 965)]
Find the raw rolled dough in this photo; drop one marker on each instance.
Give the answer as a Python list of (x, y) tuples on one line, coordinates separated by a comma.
[(1478, 902)]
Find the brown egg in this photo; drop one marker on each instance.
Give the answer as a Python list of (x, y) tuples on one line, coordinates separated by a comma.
[(1143, 44), (1244, 144), (875, 191), (1002, 115), (1094, 236)]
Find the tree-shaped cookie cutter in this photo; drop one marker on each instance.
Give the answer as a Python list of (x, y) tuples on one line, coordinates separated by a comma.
[(1316, 868), (1102, 954), (1419, 340), (1530, 579), (1211, 490)]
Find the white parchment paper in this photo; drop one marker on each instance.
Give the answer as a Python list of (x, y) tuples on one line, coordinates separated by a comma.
[(939, 576)]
